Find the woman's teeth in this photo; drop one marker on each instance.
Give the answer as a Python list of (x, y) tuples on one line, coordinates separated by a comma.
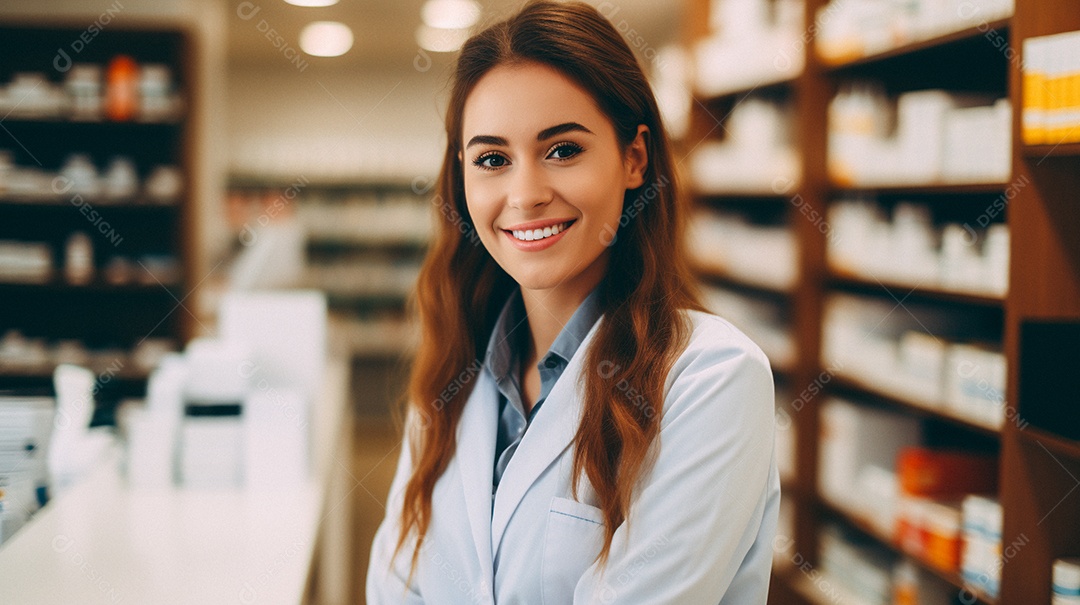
[(528, 235)]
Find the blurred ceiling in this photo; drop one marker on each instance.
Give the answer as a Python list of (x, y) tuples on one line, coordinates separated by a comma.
[(261, 32)]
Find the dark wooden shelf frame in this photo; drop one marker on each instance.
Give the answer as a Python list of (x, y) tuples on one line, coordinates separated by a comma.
[(855, 283), (923, 189), (60, 286), (137, 204), (1061, 446), (1062, 150)]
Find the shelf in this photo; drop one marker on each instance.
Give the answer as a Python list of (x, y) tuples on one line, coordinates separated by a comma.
[(68, 121), (868, 528), (374, 184), (1057, 444), (337, 244), (758, 196), (966, 34), (809, 590), (863, 389), (982, 57), (96, 286), (926, 189), (784, 372), (855, 283), (723, 278), (738, 91), (46, 373), (99, 204), (1063, 150)]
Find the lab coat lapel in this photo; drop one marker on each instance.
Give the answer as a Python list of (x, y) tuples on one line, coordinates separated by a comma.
[(476, 456), (548, 436)]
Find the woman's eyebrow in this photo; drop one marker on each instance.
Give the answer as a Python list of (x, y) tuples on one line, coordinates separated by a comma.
[(544, 134), (486, 139), (554, 131)]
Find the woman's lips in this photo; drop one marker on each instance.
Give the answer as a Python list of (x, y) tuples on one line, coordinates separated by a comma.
[(532, 240)]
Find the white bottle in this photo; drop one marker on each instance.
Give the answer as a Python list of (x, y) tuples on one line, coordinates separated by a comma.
[(79, 259)]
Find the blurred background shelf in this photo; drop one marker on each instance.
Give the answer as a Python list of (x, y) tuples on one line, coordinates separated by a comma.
[(361, 243), (115, 304), (942, 44), (865, 390), (764, 86), (746, 283), (1019, 216), (925, 189), (1062, 446), (868, 528), (1064, 150), (901, 291)]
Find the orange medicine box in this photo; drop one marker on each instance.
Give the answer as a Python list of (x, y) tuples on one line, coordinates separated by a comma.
[(945, 473)]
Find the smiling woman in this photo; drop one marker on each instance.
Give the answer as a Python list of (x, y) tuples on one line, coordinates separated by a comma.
[(606, 398), (556, 172)]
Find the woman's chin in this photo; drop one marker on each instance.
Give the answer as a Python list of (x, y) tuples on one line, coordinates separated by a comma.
[(537, 279)]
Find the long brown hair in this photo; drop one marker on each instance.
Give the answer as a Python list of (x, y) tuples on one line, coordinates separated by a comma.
[(461, 288)]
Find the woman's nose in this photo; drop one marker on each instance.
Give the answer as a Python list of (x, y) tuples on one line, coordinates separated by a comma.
[(528, 187)]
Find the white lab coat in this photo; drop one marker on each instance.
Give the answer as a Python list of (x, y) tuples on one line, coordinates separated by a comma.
[(700, 530)]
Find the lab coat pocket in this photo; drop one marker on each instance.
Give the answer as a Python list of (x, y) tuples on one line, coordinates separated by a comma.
[(575, 533)]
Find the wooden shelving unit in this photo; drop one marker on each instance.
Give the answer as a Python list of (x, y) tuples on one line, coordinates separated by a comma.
[(102, 314), (1038, 493), (1042, 508)]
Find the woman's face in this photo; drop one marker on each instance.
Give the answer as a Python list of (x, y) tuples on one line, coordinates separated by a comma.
[(545, 176)]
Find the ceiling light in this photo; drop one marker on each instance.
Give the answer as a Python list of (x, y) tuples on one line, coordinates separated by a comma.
[(450, 14), (326, 38), (440, 40), (312, 2)]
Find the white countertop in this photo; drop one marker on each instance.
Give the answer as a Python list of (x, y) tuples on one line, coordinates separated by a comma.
[(102, 542)]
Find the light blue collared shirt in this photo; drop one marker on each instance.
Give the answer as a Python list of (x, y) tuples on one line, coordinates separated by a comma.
[(503, 362)]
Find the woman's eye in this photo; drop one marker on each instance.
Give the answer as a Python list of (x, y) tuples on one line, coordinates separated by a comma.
[(490, 161), (564, 151)]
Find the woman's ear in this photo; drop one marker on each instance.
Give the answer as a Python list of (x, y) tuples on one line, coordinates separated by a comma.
[(637, 158)]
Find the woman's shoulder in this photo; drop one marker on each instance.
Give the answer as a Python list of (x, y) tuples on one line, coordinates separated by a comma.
[(717, 339), (720, 368)]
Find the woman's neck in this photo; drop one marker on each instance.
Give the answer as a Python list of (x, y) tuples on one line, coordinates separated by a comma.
[(549, 310)]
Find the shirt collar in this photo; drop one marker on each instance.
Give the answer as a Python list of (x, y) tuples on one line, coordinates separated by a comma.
[(499, 356), (571, 336)]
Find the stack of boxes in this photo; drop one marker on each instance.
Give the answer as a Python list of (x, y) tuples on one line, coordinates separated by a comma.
[(1066, 577), (933, 484), (981, 562), (1051, 89), (25, 429), (919, 138)]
